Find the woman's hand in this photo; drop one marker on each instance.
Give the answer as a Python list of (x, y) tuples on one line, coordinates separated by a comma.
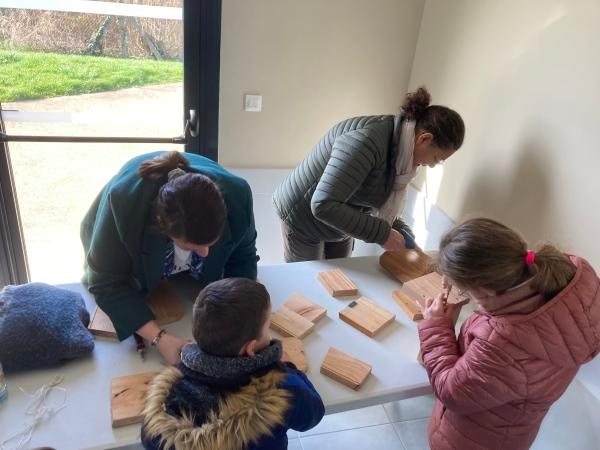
[(395, 242), (437, 307), (170, 347)]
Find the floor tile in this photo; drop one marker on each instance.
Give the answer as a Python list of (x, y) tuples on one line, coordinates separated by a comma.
[(381, 437), (413, 434), (410, 408), (357, 418)]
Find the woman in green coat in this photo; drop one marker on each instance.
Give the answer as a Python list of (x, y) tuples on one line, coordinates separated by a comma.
[(161, 214), (353, 184)]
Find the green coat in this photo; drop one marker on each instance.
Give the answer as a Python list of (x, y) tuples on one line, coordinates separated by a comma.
[(125, 254)]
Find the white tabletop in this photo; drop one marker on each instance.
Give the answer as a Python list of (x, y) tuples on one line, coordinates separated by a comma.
[(85, 422)]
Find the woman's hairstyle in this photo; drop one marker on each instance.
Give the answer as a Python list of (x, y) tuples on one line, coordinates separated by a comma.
[(190, 205), (445, 124), (485, 253), (228, 314)]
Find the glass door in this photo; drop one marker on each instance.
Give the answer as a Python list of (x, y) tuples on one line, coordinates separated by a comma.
[(96, 69)]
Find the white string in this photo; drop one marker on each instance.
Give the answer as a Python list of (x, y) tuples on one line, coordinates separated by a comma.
[(40, 411)]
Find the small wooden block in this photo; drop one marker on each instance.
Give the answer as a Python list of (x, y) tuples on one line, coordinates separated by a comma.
[(366, 316), (295, 350), (345, 369), (406, 265), (408, 305), (417, 291), (307, 309), (163, 303), (100, 325), (337, 283), (127, 398), (289, 323)]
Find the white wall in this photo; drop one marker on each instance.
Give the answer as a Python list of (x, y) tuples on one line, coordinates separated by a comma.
[(525, 76), (315, 62)]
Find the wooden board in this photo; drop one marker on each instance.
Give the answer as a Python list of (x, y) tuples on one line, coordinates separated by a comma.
[(295, 350), (408, 305), (345, 369), (289, 323), (100, 325), (406, 265), (127, 398), (337, 283), (307, 309), (366, 316), (163, 303), (417, 291)]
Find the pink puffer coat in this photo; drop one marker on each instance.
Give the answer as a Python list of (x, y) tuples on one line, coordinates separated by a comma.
[(495, 385)]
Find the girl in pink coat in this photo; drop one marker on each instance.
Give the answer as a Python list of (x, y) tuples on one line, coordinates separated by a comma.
[(538, 322)]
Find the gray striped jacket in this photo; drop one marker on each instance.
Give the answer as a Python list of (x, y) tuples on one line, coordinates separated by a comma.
[(347, 175)]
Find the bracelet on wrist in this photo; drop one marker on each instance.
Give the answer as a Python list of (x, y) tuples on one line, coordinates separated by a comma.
[(157, 338)]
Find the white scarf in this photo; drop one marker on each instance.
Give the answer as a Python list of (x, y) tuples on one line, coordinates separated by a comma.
[(404, 141)]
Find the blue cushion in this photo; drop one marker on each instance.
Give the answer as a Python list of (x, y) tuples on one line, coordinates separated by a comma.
[(42, 325)]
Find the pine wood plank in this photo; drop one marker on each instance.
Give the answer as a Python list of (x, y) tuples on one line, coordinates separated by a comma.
[(163, 303), (406, 265), (337, 283), (303, 306), (366, 316), (289, 323), (295, 350), (416, 292), (128, 395), (345, 369)]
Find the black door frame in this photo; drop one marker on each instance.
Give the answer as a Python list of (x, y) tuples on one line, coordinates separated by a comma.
[(202, 53)]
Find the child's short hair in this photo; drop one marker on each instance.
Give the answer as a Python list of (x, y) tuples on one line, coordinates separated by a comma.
[(228, 314)]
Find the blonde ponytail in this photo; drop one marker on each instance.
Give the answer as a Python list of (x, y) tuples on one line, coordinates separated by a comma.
[(163, 164), (553, 271)]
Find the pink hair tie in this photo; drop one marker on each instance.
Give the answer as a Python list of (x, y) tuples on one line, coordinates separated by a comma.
[(530, 258)]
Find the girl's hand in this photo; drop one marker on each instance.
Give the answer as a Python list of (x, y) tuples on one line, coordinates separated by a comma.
[(437, 307), (395, 242)]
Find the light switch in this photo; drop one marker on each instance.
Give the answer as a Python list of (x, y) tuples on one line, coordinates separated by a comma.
[(252, 103)]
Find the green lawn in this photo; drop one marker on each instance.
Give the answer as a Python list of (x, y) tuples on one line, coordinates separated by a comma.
[(30, 75)]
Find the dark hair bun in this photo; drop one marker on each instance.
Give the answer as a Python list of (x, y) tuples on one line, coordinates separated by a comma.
[(415, 104)]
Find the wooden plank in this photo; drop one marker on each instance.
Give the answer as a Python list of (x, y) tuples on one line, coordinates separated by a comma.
[(406, 265), (417, 291), (289, 323), (337, 283), (366, 316), (345, 369), (100, 325), (303, 306), (294, 348), (163, 303), (408, 305), (128, 395)]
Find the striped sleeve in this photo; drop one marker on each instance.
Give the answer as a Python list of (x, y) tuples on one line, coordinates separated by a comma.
[(352, 159)]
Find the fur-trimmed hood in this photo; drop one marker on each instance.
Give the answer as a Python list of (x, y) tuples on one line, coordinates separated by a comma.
[(242, 417)]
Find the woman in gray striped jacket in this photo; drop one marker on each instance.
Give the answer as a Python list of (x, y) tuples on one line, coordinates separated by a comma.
[(353, 184)]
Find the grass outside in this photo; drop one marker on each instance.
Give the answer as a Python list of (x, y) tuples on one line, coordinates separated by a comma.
[(32, 75)]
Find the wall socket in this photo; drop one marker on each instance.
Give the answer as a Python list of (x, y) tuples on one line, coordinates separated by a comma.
[(252, 102)]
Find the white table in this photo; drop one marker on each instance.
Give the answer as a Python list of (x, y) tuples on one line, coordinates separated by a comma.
[(85, 422)]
